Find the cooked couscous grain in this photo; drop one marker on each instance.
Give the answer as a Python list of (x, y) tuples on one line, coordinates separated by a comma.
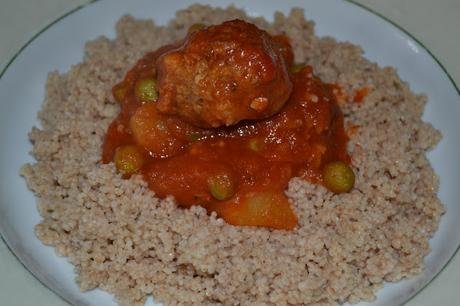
[(123, 239)]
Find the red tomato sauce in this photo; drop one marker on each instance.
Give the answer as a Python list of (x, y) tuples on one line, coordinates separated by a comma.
[(258, 157), (360, 94)]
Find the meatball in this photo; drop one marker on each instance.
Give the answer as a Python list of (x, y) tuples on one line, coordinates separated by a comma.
[(224, 74)]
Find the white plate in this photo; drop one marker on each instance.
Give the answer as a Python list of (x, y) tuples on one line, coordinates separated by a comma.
[(61, 44)]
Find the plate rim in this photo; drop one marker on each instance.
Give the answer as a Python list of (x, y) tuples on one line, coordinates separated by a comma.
[(352, 2)]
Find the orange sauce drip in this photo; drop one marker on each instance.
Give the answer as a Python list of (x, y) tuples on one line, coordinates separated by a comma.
[(360, 94)]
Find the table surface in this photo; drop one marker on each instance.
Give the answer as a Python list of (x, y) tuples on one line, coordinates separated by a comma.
[(434, 23)]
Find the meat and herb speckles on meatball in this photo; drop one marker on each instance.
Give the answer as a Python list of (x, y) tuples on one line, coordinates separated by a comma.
[(224, 74)]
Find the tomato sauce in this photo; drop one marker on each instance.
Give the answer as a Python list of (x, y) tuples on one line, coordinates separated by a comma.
[(257, 158), (360, 94)]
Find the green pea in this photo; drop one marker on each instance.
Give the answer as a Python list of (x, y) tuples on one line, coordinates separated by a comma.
[(297, 67), (196, 27), (145, 90), (128, 159), (119, 92), (221, 186), (255, 144), (338, 177), (194, 137)]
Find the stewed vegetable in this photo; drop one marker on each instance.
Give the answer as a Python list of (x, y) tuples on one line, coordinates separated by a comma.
[(145, 90), (297, 67), (196, 27), (128, 159), (338, 177), (119, 92), (221, 186)]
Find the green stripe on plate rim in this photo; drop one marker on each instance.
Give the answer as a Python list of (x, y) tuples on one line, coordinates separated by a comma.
[(79, 7)]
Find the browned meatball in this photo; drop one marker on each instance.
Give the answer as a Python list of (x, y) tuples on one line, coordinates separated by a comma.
[(224, 74)]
